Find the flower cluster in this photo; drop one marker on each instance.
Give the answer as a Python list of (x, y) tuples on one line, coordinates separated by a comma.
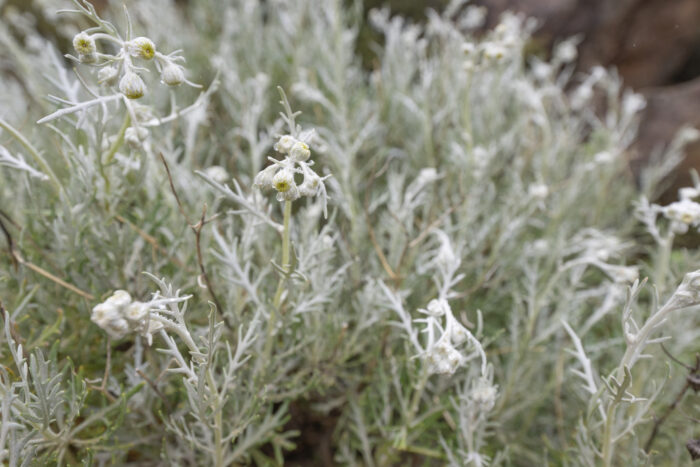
[(441, 354), (280, 175), (121, 68), (684, 213), (120, 71), (505, 40), (119, 315)]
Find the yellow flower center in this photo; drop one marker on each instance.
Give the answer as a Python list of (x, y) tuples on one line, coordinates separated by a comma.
[(282, 186), (147, 51)]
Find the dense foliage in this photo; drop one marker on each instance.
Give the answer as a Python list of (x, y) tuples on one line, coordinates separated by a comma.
[(436, 260)]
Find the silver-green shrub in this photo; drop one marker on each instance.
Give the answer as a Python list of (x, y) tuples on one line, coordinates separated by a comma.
[(432, 241)]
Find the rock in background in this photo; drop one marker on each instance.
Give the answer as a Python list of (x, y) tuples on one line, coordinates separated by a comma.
[(655, 46)]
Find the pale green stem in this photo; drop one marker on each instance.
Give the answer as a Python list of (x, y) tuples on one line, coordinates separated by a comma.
[(280, 286), (218, 429), (285, 253), (120, 139), (607, 436), (662, 263)]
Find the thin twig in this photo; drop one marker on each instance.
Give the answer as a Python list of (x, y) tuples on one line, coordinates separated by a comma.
[(197, 228), (691, 381), (372, 237), (152, 241), (17, 258), (153, 386), (10, 244), (200, 260)]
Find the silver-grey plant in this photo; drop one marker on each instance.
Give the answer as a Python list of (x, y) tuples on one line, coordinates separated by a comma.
[(431, 246)]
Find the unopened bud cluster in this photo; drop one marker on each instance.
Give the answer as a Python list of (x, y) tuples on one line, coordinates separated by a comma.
[(281, 175), (119, 315), (120, 69), (505, 40), (442, 355)]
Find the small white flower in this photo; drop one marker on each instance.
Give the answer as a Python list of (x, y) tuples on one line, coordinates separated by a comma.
[(84, 44), (136, 312), (468, 48), (493, 51), (135, 136), (443, 358), (683, 212), (108, 75), (291, 194), (117, 328), (104, 313), (120, 299), (217, 173), (142, 47), (285, 144), (457, 332), (172, 74), (132, 86), (299, 152), (283, 181), (312, 182), (438, 307), (484, 395), (263, 180)]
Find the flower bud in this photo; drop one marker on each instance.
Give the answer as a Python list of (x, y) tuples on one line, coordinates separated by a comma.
[(120, 299), (84, 44), (263, 179), (437, 307), (108, 75), (103, 313), (142, 47), (132, 86), (299, 152), (87, 58), (117, 328), (135, 136), (309, 186), (136, 312), (217, 173), (172, 75), (285, 143), (493, 51)]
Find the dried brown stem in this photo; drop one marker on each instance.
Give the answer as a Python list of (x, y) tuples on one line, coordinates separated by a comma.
[(691, 381), (197, 229)]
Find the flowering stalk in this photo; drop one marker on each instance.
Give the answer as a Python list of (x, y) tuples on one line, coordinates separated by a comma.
[(285, 253)]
